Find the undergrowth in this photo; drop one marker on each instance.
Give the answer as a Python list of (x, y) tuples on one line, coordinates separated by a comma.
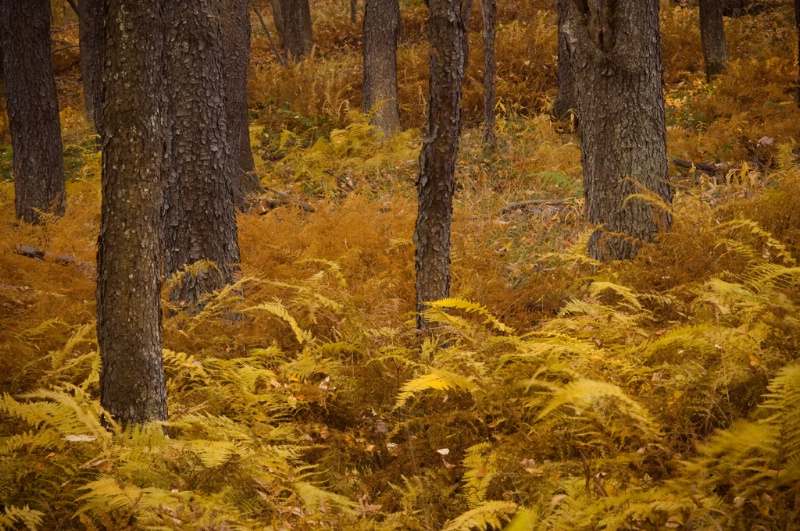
[(555, 392)]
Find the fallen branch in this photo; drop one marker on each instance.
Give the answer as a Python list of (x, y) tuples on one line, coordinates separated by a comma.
[(709, 169), (533, 202), (27, 251), (282, 200)]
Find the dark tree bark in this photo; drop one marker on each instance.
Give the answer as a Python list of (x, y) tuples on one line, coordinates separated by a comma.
[(621, 109), (712, 36), (199, 214), (489, 12), (437, 161), (565, 103), (132, 384), (293, 22), (354, 11), (91, 36), (797, 25), (236, 46), (32, 102), (381, 33)]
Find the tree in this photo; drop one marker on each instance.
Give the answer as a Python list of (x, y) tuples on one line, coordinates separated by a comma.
[(199, 214), (489, 12), (381, 32), (132, 383), (33, 119), (236, 46), (437, 161), (90, 40), (565, 103), (621, 108), (712, 36), (797, 26), (293, 22)]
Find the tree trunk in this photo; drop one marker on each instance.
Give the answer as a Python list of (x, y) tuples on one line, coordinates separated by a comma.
[(295, 27), (354, 11), (91, 36), (489, 12), (437, 161), (236, 46), (621, 109), (32, 102), (199, 214), (381, 32), (132, 383), (797, 25), (565, 103), (712, 36)]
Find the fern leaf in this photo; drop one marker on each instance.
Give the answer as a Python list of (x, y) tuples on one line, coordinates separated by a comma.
[(481, 468), (279, 310), (316, 499), (471, 307), (489, 515), (26, 516), (438, 380)]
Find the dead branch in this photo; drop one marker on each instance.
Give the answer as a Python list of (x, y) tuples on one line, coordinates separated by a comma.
[(532, 202)]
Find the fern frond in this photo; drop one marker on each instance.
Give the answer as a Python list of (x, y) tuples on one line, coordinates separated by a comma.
[(488, 515), (279, 310), (437, 380), (472, 307), (26, 516), (784, 400), (624, 292), (316, 499), (481, 468)]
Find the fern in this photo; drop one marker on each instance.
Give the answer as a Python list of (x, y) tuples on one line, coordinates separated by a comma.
[(26, 516), (278, 310), (481, 468), (488, 515), (471, 307), (436, 380)]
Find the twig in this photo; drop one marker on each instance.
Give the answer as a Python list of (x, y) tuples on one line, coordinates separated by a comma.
[(281, 60), (549, 202)]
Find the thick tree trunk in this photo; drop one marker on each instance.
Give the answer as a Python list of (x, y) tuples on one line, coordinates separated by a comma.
[(565, 103), (33, 119), (236, 45), (91, 35), (199, 214), (132, 383), (712, 36), (381, 32), (437, 161), (621, 109), (294, 27), (489, 12)]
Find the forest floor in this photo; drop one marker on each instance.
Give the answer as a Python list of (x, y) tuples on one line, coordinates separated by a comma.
[(560, 393)]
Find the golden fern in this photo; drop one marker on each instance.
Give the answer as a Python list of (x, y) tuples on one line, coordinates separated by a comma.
[(12, 516), (488, 515), (436, 380), (480, 463)]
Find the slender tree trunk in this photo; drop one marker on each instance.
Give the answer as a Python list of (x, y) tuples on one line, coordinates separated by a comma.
[(199, 215), (566, 100), (797, 25), (489, 12), (712, 36), (91, 34), (132, 383), (294, 27), (236, 45), (621, 109), (381, 32), (33, 119), (437, 161), (354, 11)]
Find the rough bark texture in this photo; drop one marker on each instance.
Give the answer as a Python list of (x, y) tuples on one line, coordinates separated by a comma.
[(381, 33), (236, 45), (797, 24), (199, 214), (566, 99), (446, 33), (132, 384), (33, 119), (91, 36), (621, 109), (489, 12), (712, 36), (294, 28)]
